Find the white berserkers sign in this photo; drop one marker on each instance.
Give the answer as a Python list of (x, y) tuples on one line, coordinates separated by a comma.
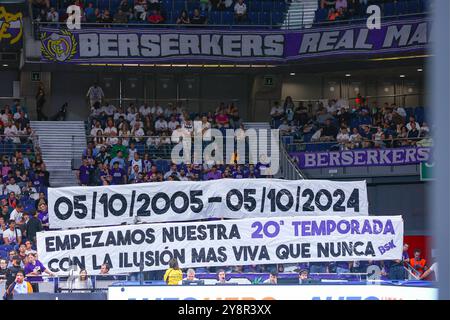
[(73, 207)]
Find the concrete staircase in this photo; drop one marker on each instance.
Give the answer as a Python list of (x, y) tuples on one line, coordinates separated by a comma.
[(60, 142), (300, 14)]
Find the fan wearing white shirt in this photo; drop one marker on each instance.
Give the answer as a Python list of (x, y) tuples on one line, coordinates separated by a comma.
[(160, 125), (343, 136), (173, 124), (240, 11), (95, 94), (408, 125), (97, 127), (11, 133), (145, 110), (17, 214), (137, 132), (109, 109)]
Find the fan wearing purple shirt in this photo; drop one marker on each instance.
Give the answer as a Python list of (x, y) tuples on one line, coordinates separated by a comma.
[(83, 173), (118, 175), (33, 271), (214, 174), (238, 174), (43, 215)]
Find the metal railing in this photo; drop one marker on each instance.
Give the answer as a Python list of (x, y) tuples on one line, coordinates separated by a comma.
[(272, 17), (381, 143), (288, 169), (191, 105)]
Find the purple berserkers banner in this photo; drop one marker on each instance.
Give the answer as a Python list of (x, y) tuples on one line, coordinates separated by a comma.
[(369, 157), (113, 45)]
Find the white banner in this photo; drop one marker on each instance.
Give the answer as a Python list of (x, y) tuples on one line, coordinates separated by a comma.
[(73, 207), (223, 243), (271, 292)]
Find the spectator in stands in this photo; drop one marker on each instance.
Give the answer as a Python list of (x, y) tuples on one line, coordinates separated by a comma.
[(174, 274), (413, 133), (17, 214), (40, 101), (418, 263), (34, 270), (190, 276), (303, 275), (83, 173), (53, 15), (118, 175), (277, 113), (82, 282), (221, 277), (19, 286), (120, 17), (3, 269), (240, 11), (32, 226), (155, 17), (273, 278), (197, 18), (119, 158), (104, 269), (95, 95), (43, 215), (12, 236)]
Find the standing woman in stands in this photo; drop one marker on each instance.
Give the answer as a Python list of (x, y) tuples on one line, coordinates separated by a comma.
[(40, 101), (174, 274)]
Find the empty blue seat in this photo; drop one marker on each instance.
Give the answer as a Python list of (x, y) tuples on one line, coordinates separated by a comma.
[(215, 17), (267, 6), (178, 6), (103, 4), (277, 17), (255, 6), (227, 18), (254, 18), (402, 7), (389, 9), (264, 18), (419, 114)]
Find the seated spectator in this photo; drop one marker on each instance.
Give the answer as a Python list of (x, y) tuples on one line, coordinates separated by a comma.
[(329, 132), (412, 121), (277, 112), (197, 18), (240, 11), (120, 17), (183, 18), (343, 137), (118, 175), (12, 236), (155, 17)]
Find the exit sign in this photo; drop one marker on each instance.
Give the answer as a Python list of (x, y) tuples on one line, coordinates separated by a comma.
[(35, 76), (268, 81), (426, 171)]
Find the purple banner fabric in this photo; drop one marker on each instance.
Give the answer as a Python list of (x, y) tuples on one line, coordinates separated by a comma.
[(366, 157), (125, 45)]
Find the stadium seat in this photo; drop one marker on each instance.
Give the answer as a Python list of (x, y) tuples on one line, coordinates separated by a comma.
[(419, 114), (178, 6), (227, 18), (277, 17), (215, 17), (254, 18), (389, 9), (255, 6), (264, 18), (402, 8), (267, 6)]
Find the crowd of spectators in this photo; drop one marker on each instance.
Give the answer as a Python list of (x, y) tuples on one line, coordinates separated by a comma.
[(24, 183), (346, 127), (125, 143), (338, 10), (138, 11)]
